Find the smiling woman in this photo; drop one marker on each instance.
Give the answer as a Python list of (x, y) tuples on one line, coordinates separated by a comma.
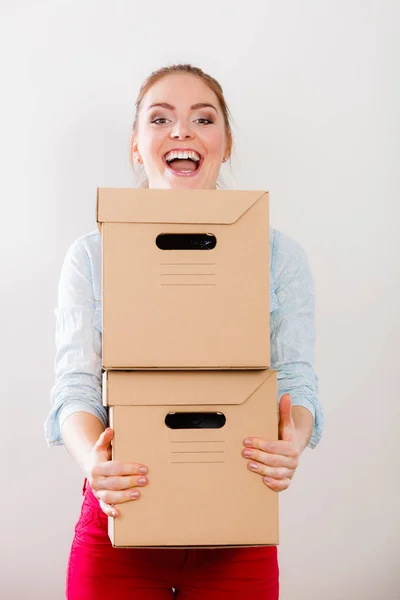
[(181, 136), (182, 129)]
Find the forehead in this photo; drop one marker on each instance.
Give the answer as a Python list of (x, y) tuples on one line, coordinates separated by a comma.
[(180, 90)]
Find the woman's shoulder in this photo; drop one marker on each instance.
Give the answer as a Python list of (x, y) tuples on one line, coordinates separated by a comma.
[(87, 246), (91, 242), (84, 256), (287, 253), (283, 241)]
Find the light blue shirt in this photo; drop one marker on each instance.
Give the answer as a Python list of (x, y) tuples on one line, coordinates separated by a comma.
[(78, 364)]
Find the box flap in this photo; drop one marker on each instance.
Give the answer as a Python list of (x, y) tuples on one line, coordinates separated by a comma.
[(137, 205), (186, 388)]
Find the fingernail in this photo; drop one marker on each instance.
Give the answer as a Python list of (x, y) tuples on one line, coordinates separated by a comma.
[(247, 453), (134, 494), (114, 513), (247, 442), (253, 466), (143, 470), (142, 480), (267, 479)]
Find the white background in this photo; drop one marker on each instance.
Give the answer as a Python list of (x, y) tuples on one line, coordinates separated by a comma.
[(314, 90)]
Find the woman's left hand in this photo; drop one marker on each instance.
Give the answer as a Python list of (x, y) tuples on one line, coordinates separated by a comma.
[(276, 461)]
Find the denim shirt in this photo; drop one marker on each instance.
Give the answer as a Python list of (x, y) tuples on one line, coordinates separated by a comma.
[(78, 364)]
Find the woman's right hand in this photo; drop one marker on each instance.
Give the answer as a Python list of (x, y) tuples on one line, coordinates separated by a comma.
[(113, 482)]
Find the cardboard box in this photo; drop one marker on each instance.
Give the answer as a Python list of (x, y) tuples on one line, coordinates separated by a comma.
[(200, 491), (203, 304)]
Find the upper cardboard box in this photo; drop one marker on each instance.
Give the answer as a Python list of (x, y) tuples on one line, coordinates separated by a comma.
[(185, 279)]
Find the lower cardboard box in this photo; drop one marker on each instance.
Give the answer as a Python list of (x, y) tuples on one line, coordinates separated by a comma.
[(188, 428)]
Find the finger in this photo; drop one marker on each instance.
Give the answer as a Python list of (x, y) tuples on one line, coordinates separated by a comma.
[(276, 447), (275, 473), (272, 460), (117, 497), (275, 485), (285, 410), (109, 510), (287, 428), (114, 467), (104, 439), (119, 483)]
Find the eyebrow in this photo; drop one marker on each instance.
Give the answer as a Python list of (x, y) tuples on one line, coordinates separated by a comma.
[(194, 107)]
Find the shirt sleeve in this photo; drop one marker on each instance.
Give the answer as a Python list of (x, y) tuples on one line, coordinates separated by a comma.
[(78, 363), (293, 329)]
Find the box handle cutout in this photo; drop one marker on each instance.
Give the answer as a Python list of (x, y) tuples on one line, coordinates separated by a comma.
[(186, 241), (195, 420)]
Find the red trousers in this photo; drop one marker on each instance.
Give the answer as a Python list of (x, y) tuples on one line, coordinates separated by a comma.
[(97, 571)]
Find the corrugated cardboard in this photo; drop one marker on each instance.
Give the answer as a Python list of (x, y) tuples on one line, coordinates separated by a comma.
[(200, 491), (185, 309)]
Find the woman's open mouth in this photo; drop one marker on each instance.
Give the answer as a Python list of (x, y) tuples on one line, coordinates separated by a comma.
[(183, 163)]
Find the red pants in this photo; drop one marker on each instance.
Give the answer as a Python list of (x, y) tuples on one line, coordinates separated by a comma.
[(97, 571)]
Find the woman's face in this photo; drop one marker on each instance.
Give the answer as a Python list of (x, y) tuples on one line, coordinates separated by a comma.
[(180, 139)]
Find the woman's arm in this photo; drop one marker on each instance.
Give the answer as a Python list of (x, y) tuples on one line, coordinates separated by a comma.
[(78, 419), (292, 355), (293, 336), (77, 387), (80, 431)]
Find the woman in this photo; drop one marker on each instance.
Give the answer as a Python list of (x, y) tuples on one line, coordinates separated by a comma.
[(179, 110)]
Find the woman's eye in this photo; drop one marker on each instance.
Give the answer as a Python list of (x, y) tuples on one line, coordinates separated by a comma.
[(204, 121), (157, 121)]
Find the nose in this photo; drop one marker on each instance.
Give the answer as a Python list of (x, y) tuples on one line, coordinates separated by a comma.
[(181, 131)]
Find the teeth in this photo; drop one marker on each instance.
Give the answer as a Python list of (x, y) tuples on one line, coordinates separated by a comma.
[(182, 155)]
